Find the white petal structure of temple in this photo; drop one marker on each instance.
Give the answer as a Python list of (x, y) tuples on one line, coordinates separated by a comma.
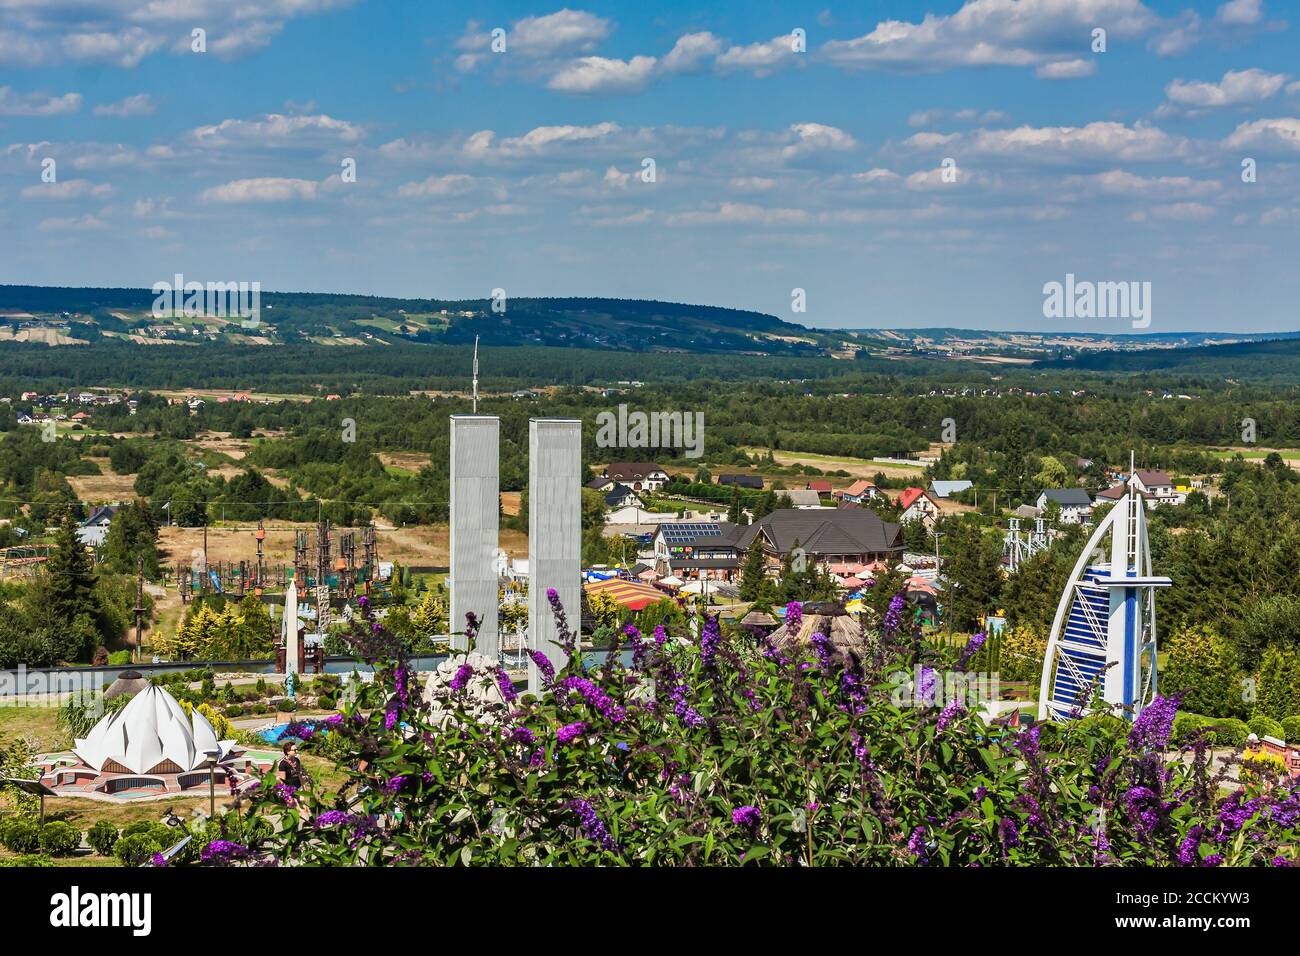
[(151, 735), (1107, 616)]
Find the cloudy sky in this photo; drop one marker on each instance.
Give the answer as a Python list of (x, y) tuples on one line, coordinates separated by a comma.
[(793, 146)]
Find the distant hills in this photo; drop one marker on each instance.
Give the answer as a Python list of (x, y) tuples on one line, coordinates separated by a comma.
[(78, 316), (65, 316)]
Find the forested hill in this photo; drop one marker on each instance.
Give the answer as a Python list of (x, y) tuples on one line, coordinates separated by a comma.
[(1276, 359), (71, 316)]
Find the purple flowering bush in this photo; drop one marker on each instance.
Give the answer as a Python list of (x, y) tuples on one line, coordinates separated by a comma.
[(727, 750)]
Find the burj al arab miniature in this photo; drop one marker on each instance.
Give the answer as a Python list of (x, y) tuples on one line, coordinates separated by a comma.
[(1107, 616)]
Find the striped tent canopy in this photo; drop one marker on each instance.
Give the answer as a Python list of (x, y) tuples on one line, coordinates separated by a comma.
[(631, 594)]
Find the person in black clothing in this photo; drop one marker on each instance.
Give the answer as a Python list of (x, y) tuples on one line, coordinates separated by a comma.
[(290, 769)]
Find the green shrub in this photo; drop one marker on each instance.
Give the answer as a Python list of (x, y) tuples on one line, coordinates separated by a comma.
[(102, 836), (1291, 729), (136, 849), (21, 835), (326, 701), (285, 705), (1262, 726), (1186, 726), (260, 708), (234, 710), (1228, 732), (27, 861), (59, 838)]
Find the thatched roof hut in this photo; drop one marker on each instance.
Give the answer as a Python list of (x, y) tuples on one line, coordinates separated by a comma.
[(828, 617), (759, 621), (128, 682)]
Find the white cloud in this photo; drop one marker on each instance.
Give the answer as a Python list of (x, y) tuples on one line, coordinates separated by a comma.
[(1241, 12), (275, 129), (86, 223), (14, 103), (1281, 133), (452, 184), (544, 137), (817, 138), (1066, 69), (1120, 182), (1099, 140), (1027, 33), (564, 32), (752, 184), (690, 53), (598, 74), (68, 189), (1237, 88), (264, 189), (760, 59), (733, 212), (124, 32), (141, 104)]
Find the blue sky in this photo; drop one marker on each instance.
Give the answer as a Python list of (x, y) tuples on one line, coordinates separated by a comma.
[(776, 169)]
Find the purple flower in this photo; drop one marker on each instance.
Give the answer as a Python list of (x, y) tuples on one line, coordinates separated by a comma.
[(1214, 859), (793, 617), (592, 826), (748, 817), (916, 845), (285, 792), (390, 719), (569, 732), (1188, 850), (972, 648), (949, 713), (545, 666), (1281, 861), (522, 735), (688, 714), (223, 851), (894, 613), (331, 818), (159, 860), (1008, 833), (710, 634), (594, 696), (822, 645), (463, 674), (506, 686), (661, 635), (363, 601), (926, 685), (395, 783), (1152, 727), (638, 646)]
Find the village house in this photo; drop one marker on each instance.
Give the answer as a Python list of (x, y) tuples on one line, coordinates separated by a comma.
[(638, 475), (860, 492), (916, 504), (1075, 503)]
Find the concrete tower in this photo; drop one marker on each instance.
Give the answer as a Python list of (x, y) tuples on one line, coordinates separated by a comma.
[(554, 533), (475, 505)]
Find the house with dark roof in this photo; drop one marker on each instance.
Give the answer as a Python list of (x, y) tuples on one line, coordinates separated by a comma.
[(1075, 503), (94, 529), (621, 496), (742, 481), (826, 536), (638, 475), (698, 549)]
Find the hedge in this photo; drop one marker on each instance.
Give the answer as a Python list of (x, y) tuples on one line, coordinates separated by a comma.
[(102, 836), (1261, 725)]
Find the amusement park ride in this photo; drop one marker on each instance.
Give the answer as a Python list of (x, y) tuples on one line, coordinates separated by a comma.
[(1103, 639)]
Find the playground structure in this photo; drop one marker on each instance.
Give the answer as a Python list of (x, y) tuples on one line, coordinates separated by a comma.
[(1019, 545), (23, 559), (339, 578)]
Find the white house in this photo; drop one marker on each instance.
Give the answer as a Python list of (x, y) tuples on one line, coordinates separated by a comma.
[(1075, 503)]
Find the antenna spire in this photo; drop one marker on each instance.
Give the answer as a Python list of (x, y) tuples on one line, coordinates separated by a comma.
[(475, 380)]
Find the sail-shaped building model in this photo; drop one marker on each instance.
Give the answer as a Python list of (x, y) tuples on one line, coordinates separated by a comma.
[(1103, 638)]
